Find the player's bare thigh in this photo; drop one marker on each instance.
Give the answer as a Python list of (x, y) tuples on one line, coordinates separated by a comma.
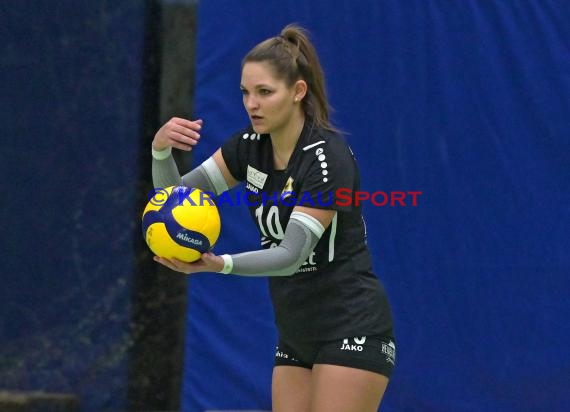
[(291, 389), (343, 389)]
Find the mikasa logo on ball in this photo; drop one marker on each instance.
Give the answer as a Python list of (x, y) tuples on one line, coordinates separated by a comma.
[(186, 238)]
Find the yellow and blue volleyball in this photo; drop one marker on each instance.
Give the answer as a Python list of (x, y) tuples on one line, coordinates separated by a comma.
[(180, 222)]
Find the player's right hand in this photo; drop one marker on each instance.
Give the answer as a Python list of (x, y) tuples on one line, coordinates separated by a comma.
[(180, 133)]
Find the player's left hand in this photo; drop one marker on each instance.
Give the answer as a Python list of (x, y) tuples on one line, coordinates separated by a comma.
[(207, 263)]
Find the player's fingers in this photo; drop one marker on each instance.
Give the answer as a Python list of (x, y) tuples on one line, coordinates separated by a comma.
[(164, 262), (183, 139), (181, 142), (190, 124), (184, 131), (178, 263), (208, 257), (181, 146), (187, 267)]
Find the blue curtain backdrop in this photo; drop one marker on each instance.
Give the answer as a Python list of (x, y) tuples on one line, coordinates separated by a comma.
[(466, 101), (69, 109)]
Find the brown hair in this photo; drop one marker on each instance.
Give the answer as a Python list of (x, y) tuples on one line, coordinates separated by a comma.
[(293, 57)]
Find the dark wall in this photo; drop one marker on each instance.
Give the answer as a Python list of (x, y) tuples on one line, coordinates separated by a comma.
[(159, 295), (79, 104)]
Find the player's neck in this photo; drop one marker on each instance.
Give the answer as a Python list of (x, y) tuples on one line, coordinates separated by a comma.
[(285, 140)]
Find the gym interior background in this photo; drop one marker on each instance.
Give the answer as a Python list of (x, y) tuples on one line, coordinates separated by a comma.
[(467, 102)]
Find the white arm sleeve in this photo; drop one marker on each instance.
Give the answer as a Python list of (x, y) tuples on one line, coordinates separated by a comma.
[(206, 177), (301, 236)]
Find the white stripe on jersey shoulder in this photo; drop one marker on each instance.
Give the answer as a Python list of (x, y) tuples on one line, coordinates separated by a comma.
[(310, 222), (313, 145), (215, 175)]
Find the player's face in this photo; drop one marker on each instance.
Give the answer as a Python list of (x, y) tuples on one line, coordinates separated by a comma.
[(269, 102)]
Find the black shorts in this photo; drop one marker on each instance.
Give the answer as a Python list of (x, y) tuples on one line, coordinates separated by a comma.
[(372, 353)]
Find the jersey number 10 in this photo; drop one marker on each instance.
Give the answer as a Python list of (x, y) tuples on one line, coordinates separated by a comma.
[(271, 226)]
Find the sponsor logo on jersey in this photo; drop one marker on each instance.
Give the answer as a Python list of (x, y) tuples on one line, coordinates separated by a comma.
[(287, 189), (251, 188), (356, 345), (389, 349), (284, 355), (309, 265), (255, 177)]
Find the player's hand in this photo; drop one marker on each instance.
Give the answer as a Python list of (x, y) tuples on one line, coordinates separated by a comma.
[(180, 133), (207, 263)]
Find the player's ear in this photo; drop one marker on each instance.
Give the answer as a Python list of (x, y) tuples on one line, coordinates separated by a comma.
[(300, 90)]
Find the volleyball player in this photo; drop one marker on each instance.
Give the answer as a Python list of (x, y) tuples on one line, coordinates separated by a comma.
[(336, 346)]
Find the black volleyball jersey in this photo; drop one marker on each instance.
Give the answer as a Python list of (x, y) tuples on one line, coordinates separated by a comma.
[(334, 294)]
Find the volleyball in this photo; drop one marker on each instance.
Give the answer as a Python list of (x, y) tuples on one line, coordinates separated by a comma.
[(180, 222)]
